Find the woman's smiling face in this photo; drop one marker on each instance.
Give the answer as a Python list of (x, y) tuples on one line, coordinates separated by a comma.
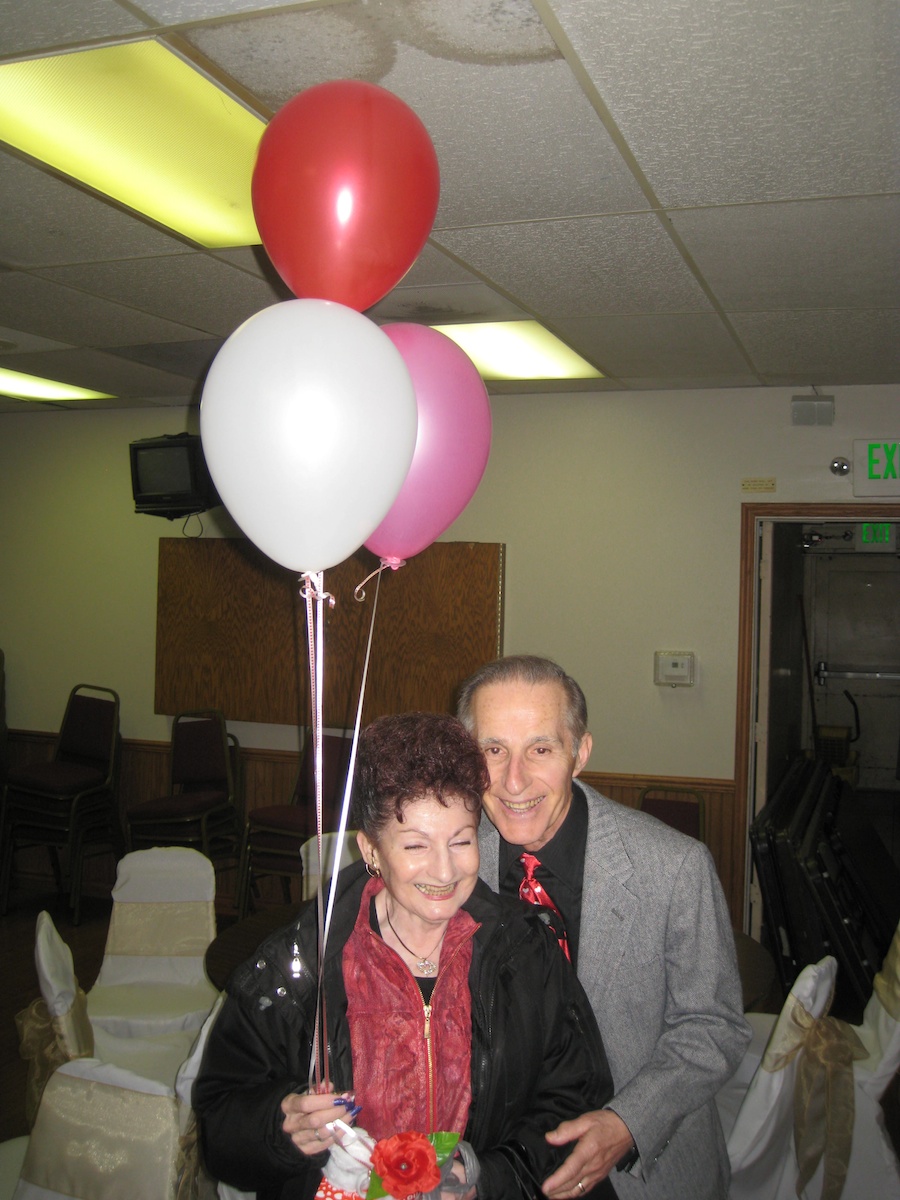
[(429, 860)]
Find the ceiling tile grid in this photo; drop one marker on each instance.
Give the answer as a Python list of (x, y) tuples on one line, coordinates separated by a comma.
[(692, 193)]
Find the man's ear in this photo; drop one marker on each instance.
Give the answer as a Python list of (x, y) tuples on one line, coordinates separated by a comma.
[(584, 753)]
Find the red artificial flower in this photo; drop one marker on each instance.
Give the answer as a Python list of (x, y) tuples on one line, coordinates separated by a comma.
[(407, 1164)]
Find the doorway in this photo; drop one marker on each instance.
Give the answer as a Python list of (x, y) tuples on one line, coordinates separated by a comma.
[(785, 698)]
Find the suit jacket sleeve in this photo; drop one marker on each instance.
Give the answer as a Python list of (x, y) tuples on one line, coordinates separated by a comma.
[(697, 1004)]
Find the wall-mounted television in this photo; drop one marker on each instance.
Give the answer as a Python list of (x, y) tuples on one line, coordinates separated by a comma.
[(169, 476)]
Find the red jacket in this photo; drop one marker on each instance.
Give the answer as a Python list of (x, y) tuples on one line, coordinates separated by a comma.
[(417, 1058)]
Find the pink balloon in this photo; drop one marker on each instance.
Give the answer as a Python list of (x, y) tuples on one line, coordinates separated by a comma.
[(452, 444)]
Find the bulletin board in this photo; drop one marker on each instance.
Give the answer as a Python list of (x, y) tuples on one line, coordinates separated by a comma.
[(231, 631)]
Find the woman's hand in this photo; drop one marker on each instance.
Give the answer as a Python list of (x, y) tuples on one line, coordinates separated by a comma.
[(306, 1117)]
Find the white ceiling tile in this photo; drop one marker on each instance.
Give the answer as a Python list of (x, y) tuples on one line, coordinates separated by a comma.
[(180, 12), (47, 221), (595, 265), (275, 57), (677, 344), (433, 267), (808, 254), (101, 372), (725, 101), (192, 288), (39, 24), (70, 316), (828, 347), (445, 305), (16, 341), (513, 142)]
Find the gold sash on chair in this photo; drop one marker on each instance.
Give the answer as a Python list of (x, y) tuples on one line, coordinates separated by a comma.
[(824, 1092), (48, 1042), (94, 1140)]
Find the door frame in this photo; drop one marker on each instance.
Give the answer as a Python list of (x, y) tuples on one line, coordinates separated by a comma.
[(749, 664)]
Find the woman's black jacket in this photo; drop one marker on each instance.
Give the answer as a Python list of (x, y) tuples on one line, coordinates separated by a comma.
[(537, 1058)]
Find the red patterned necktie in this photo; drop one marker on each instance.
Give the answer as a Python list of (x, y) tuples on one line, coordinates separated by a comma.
[(534, 892)]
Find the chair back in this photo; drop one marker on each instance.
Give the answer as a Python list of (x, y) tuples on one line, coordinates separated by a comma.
[(90, 729), (760, 1144), (880, 1028), (55, 967), (682, 808), (335, 760), (201, 754), (163, 917), (312, 869)]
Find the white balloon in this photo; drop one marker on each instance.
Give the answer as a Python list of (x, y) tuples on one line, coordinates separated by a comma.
[(308, 423)]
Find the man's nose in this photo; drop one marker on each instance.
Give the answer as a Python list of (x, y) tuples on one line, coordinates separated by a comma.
[(516, 776)]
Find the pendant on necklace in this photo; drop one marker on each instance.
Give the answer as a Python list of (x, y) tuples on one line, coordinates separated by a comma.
[(426, 966)]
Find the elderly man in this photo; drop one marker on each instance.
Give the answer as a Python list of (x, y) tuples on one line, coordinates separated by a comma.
[(640, 910)]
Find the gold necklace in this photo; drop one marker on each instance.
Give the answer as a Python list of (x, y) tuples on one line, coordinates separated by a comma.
[(423, 962)]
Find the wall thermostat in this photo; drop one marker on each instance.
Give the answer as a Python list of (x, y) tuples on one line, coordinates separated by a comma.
[(673, 668)]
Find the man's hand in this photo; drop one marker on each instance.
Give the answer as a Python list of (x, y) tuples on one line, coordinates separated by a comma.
[(601, 1139)]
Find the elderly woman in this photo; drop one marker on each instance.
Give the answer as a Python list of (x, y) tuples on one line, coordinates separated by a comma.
[(448, 1008)]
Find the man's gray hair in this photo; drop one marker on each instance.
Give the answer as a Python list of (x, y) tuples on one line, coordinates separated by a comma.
[(525, 668)]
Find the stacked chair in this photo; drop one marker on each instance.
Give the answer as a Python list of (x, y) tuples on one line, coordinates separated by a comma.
[(68, 803), (682, 808), (274, 835), (201, 807), (109, 1096), (807, 1076)]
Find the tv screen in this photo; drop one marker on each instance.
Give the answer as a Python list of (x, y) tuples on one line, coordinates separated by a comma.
[(169, 477)]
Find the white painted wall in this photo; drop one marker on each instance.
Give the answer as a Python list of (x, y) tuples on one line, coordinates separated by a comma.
[(620, 513)]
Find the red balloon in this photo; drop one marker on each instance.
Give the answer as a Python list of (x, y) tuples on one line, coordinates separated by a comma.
[(345, 191)]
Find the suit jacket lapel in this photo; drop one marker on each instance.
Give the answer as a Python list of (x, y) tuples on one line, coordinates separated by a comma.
[(608, 907)]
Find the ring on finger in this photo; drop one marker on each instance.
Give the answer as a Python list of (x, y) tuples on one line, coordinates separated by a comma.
[(581, 1187), (318, 1135)]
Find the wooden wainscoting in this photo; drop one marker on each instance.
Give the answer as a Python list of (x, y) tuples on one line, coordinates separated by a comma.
[(723, 837), (269, 777)]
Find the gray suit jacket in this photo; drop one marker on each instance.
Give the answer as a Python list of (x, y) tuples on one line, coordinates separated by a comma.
[(656, 958)]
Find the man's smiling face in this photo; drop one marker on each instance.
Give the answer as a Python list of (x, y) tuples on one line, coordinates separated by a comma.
[(522, 729)]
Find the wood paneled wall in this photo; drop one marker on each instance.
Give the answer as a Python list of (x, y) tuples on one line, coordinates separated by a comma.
[(231, 631), (269, 777), (723, 837)]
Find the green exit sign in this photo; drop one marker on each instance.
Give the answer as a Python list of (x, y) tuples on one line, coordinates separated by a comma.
[(876, 535), (876, 467)]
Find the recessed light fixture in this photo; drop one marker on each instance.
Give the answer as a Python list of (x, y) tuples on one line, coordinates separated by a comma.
[(518, 350), (32, 387), (142, 125)]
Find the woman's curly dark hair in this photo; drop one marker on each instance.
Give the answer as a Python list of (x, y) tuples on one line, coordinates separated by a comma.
[(406, 757)]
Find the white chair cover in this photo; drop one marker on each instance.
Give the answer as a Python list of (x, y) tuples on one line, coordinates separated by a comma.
[(153, 979), (183, 1088), (756, 1108), (758, 1111), (309, 856), (102, 1133), (108, 1126), (12, 1155), (880, 1029)]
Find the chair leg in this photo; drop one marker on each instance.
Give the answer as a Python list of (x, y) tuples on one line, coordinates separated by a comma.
[(242, 898), (7, 852), (56, 868)]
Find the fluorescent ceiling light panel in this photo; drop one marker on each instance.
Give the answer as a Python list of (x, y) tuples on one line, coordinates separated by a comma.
[(32, 387), (141, 125), (518, 350)]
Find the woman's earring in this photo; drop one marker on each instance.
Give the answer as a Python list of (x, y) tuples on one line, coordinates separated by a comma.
[(374, 872)]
